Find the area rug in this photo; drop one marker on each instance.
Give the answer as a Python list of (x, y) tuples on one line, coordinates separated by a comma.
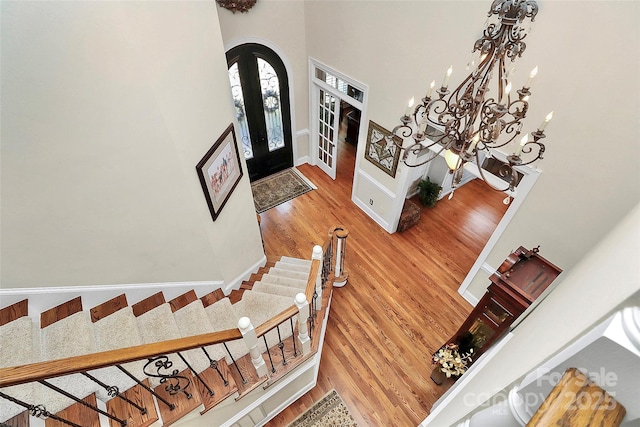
[(328, 411), (279, 188)]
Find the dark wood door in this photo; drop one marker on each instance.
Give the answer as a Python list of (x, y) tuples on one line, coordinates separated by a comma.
[(260, 91)]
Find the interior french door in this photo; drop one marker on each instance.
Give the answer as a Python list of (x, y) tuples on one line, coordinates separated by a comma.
[(328, 122)]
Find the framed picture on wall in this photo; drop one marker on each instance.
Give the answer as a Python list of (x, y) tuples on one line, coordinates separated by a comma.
[(381, 150), (220, 171)]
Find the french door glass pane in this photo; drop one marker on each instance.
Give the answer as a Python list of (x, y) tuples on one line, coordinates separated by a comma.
[(241, 114), (271, 101), (325, 127)]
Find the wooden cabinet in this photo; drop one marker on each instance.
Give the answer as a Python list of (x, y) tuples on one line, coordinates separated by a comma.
[(521, 278)]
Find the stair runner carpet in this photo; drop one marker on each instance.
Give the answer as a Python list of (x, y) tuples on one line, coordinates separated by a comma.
[(21, 341)]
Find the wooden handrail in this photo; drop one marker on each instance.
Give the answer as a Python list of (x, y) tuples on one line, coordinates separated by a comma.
[(56, 368), (22, 374)]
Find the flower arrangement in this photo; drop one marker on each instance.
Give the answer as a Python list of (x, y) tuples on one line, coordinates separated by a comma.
[(450, 361)]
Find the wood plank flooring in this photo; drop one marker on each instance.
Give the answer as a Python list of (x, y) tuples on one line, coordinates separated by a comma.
[(401, 301)]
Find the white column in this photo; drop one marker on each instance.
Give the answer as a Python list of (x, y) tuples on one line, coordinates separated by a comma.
[(338, 269), (251, 340), (318, 255), (303, 314)]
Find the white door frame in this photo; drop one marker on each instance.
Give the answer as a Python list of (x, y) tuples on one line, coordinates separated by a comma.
[(314, 85)]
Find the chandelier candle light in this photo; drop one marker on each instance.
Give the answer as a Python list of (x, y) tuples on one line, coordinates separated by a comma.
[(468, 124)]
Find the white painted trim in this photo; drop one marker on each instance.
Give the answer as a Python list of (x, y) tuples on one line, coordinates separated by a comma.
[(530, 176), (377, 183), (488, 269), (367, 209), (235, 283), (287, 65), (454, 392), (42, 299), (471, 299), (362, 106), (297, 161), (377, 218)]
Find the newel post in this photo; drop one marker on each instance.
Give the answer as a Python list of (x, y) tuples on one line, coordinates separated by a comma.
[(251, 340), (318, 255), (303, 315), (341, 275)]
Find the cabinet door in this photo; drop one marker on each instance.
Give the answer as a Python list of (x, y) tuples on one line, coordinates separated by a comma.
[(489, 323)]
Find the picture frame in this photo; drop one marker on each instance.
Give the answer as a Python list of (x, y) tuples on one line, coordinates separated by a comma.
[(381, 150), (220, 171)]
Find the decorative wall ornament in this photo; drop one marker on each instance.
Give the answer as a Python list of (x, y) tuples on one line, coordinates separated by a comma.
[(237, 5), (382, 148)]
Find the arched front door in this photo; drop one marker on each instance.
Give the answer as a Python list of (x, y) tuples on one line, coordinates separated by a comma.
[(260, 91)]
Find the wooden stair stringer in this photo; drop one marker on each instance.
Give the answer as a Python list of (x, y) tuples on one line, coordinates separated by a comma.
[(251, 378), (212, 388)]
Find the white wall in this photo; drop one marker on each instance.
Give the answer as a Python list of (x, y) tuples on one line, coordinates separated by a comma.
[(587, 76), (606, 279), (279, 24), (106, 109), (591, 174)]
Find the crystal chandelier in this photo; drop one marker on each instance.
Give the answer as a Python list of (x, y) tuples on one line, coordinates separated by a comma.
[(468, 124)]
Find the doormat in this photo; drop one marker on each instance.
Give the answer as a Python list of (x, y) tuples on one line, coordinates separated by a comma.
[(328, 411), (278, 188)]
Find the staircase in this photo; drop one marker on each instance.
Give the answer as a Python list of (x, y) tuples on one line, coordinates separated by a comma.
[(191, 360)]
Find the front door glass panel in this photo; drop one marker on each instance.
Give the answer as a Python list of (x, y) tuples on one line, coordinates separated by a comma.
[(241, 113), (270, 87)]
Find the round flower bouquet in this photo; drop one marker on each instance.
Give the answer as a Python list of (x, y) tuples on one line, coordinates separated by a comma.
[(450, 361)]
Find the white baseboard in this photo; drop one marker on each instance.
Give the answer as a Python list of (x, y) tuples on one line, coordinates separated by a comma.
[(235, 283), (377, 218), (470, 298), (302, 160), (42, 299)]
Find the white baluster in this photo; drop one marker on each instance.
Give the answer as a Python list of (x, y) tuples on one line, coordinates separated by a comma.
[(303, 314), (318, 255), (251, 340)]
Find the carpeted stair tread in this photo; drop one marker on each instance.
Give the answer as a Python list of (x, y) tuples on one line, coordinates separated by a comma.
[(192, 320), (109, 336), (222, 317), (268, 288), (19, 345), (67, 337), (260, 307), (156, 325), (288, 273), (299, 261), (292, 267), (284, 281)]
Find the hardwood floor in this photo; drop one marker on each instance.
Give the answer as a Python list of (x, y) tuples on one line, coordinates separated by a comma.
[(401, 301)]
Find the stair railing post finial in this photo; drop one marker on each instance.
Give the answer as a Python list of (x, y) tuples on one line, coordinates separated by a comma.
[(251, 340), (303, 314), (317, 253)]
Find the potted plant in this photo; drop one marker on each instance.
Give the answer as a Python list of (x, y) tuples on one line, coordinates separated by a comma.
[(450, 361), (429, 192)]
